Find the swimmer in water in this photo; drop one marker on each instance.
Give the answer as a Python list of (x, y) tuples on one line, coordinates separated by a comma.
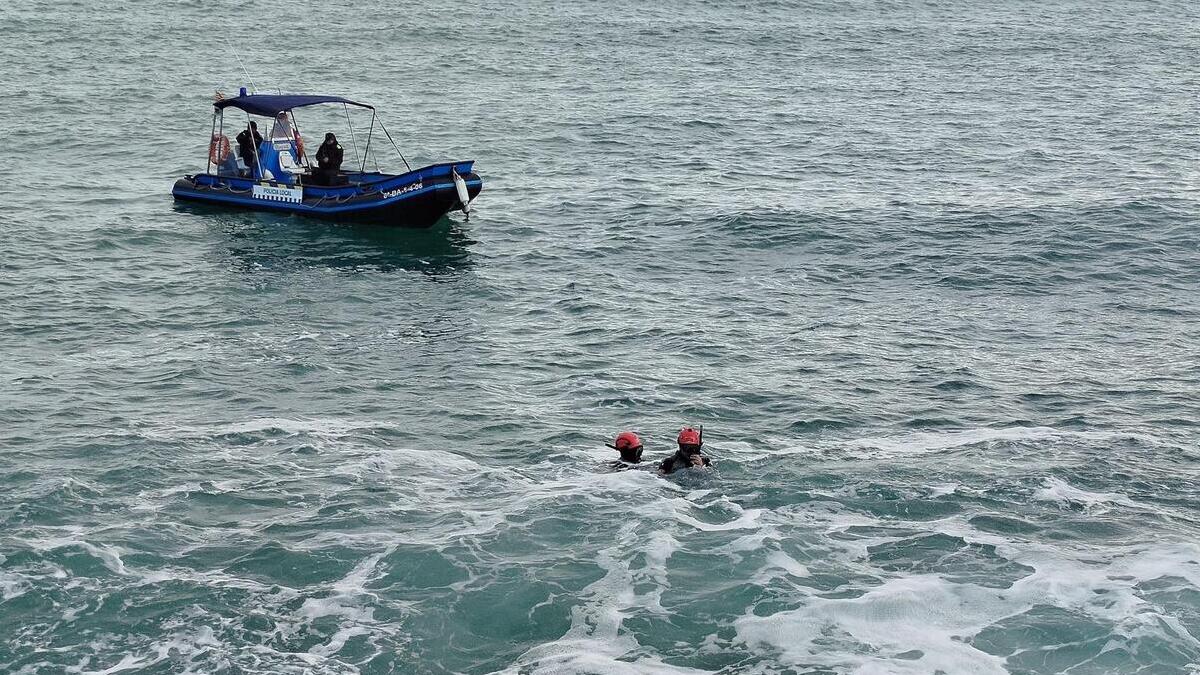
[(691, 442), (630, 446)]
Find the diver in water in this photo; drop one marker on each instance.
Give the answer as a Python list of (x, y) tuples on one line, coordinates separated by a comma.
[(691, 442), (630, 446)]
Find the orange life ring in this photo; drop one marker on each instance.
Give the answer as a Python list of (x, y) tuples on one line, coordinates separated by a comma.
[(218, 149)]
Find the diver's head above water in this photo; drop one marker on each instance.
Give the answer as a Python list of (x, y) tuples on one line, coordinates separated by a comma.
[(629, 445), (691, 444), (690, 441)]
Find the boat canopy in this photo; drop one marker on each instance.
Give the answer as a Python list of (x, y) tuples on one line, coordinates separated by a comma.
[(270, 105)]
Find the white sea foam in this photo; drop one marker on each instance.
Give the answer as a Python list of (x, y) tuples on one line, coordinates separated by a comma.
[(349, 600), (937, 615), (108, 555), (782, 561), (411, 463), (915, 612), (943, 489), (677, 508), (12, 585), (314, 426), (1058, 490), (914, 444), (749, 542), (920, 443), (595, 642), (127, 663), (153, 499)]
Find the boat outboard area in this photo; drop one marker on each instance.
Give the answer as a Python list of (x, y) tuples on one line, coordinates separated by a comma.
[(269, 167)]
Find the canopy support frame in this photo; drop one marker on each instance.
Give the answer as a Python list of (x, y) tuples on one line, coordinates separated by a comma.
[(212, 138), (353, 140), (367, 150), (253, 145)]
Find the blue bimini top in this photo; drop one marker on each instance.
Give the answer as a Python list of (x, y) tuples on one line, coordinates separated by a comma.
[(270, 105)]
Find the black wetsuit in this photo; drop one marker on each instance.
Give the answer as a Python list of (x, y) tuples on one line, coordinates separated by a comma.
[(246, 151), (679, 460), (329, 160)]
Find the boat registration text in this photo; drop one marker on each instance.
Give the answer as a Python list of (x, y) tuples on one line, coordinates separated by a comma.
[(400, 191)]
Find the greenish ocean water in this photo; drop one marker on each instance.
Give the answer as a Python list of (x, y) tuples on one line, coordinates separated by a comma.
[(928, 274)]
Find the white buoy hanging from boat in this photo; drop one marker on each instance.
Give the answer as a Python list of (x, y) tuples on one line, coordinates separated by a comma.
[(463, 196)]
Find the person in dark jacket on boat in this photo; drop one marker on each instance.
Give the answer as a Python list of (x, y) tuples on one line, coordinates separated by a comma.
[(630, 446), (248, 142), (329, 160), (691, 443)]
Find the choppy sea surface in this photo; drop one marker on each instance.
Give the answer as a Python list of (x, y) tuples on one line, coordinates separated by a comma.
[(927, 273)]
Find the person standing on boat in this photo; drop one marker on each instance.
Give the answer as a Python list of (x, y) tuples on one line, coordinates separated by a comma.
[(248, 142), (329, 160)]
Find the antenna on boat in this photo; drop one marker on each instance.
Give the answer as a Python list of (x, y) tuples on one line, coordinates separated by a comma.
[(239, 60)]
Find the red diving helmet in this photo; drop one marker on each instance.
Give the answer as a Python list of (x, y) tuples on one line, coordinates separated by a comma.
[(627, 441), (689, 440)]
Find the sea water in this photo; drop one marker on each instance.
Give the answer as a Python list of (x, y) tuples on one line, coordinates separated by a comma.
[(927, 273)]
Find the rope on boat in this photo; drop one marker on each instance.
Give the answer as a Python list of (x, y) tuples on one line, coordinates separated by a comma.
[(352, 139), (389, 137)]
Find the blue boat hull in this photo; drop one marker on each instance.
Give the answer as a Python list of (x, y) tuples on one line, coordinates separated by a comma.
[(415, 199)]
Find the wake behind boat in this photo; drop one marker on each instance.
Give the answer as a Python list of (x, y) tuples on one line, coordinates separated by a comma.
[(276, 173)]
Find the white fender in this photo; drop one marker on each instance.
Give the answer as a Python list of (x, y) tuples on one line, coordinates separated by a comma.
[(463, 196)]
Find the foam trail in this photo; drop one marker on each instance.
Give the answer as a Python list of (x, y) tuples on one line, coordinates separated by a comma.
[(1058, 490), (914, 613), (594, 643)]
